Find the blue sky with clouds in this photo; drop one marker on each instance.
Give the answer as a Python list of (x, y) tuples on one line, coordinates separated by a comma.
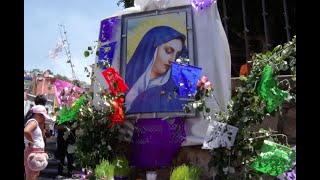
[(41, 32)]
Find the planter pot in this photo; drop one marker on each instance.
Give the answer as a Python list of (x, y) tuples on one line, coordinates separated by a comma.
[(121, 178)]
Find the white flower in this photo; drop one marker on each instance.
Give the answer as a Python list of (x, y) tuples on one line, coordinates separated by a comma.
[(200, 103), (66, 134), (232, 170), (194, 105), (79, 132), (109, 148), (178, 60), (225, 170), (106, 103), (118, 164), (103, 142), (74, 125)]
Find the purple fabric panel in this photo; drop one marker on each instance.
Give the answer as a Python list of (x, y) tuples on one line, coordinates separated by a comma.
[(156, 141)]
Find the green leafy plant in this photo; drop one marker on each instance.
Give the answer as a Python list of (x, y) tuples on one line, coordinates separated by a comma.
[(194, 173), (121, 165), (247, 109), (94, 139), (180, 173), (104, 170), (185, 172)]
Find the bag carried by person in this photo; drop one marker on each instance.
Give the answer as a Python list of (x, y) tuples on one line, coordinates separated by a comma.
[(37, 161)]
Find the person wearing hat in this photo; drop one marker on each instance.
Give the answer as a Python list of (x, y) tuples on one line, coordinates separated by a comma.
[(38, 100), (33, 137)]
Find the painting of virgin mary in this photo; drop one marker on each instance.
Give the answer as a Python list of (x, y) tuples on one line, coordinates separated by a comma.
[(148, 71)]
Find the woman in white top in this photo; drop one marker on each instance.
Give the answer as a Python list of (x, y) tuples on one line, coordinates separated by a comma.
[(33, 137)]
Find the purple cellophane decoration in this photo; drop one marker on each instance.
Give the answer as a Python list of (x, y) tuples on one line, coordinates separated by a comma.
[(290, 174), (186, 78), (156, 141), (106, 28), (202, 4), (104, 55)]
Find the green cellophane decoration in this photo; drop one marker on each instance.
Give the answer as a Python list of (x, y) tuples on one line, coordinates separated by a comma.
[(269, 91), (274, 159), (70, 114)]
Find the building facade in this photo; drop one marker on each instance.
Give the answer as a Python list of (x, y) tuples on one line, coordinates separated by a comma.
[(43, 84)]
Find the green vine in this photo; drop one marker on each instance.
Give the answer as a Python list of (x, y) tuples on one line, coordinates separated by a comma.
[(94, 139), (247, 109)]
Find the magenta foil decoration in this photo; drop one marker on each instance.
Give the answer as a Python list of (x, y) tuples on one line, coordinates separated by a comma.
[(66, 92)]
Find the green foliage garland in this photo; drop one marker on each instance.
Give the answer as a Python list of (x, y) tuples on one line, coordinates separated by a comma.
[(247, 109)]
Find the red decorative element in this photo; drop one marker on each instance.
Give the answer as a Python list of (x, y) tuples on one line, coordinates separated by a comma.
[(118, 115), (114, 80)]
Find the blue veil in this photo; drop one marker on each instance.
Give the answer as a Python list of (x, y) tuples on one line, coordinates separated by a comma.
[(144, 52)]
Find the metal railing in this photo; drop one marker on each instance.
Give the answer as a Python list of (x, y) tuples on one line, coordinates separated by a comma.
[(266, 29)]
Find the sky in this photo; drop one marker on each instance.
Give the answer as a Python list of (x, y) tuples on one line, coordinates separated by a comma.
[(81, 19)]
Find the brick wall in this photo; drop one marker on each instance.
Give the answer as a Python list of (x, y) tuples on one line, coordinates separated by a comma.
[(44, 86)]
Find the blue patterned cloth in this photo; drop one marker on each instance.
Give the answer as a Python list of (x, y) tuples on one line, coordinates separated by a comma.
[(106, 52)]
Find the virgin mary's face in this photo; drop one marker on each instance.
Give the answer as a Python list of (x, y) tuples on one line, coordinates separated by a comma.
[(167, 53)]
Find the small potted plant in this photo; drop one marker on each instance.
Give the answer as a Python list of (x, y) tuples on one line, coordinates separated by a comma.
[(121, 168), (186, 173), (104, 171)]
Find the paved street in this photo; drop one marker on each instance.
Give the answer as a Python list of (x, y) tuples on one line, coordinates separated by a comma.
[(51, 170)]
